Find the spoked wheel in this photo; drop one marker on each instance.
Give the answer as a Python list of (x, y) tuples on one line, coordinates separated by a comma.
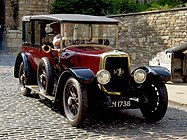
[(45, 77), (75, 102), (23, 80), (156, 98)]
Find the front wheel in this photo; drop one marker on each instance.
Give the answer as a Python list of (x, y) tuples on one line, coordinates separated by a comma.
[(75, 102), (156, 100)]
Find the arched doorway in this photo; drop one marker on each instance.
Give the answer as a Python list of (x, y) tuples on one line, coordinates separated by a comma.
[(2, 22)]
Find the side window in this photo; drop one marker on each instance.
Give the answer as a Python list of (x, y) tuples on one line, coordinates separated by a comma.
[(37, 33), (27, 32)]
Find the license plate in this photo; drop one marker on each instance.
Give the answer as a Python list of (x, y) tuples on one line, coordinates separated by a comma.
[(125, 103), (121, 104)]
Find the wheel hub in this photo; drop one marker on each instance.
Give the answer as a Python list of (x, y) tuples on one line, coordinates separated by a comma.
[(71, 101), (43, 79)]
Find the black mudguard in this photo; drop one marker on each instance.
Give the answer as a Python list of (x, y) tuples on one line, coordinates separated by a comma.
[(21, 57), (161, 72), (83, 75)]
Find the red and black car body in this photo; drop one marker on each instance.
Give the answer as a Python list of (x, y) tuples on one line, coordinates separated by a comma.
[(82, 73)]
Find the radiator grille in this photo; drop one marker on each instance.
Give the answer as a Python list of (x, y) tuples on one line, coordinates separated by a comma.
[(119, 70)]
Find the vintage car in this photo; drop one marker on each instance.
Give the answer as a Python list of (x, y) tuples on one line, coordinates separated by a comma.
[(86, 71)]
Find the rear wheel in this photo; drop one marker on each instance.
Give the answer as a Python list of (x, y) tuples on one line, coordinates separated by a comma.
[(75, 102), (156, 100), (45, 77), (23, 80)]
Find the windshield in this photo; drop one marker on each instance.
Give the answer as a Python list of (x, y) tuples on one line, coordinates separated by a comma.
[(102, 34)]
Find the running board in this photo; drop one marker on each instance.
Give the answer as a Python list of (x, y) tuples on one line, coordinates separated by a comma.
[(36, 90)]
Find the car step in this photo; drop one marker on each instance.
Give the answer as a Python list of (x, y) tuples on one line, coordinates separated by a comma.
[(36, 90)]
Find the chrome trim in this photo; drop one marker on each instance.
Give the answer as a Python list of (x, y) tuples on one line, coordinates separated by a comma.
[(145, 76), (104, 56), (114, 53), (101, 71)]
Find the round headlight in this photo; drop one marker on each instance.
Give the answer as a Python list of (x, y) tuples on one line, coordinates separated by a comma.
[(140, 76), (103, 77)]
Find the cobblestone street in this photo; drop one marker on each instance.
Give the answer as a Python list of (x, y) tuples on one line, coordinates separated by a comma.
[(29, 118)]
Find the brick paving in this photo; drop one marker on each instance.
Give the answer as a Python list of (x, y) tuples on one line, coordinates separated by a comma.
[(31, 119)]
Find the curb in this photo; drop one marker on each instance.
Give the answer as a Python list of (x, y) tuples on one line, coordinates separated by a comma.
[(177, 103)]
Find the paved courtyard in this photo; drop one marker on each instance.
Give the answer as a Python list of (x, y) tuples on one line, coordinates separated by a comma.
[(29, 118)]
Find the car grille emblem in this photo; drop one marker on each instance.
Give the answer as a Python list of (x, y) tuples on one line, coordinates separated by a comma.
[(118, 72)]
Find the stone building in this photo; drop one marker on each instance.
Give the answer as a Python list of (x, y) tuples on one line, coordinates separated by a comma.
[(10, 20)]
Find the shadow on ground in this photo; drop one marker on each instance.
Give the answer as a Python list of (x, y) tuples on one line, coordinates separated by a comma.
[(131, 124)]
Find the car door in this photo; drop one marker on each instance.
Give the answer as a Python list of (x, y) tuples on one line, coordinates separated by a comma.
[(32, 42)]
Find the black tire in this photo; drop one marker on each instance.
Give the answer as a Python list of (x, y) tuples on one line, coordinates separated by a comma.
[(23, 80), (45, 77), (156, 100), (75, 102)]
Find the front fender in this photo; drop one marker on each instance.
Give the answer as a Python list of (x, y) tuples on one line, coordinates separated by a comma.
[(161, 72), (21, 57), (83, 75)]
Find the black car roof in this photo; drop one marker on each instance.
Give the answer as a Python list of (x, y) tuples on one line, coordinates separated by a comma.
[(71, 18)]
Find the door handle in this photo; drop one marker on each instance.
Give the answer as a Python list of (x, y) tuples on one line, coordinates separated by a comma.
[(31, 51)]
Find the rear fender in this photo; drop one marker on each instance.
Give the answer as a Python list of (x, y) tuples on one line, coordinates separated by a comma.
[(83, 75), (21, 57)]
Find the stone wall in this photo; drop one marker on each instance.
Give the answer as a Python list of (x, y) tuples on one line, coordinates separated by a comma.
[(144, 34), (14, 11)]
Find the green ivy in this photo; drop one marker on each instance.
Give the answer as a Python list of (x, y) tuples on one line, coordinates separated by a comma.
[(92, 7), (109, 7)]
